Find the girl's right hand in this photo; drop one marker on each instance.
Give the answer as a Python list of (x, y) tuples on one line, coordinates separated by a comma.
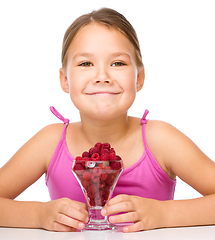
[(63, 215)]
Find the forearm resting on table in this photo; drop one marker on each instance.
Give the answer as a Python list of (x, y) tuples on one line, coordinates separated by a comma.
[(193, 212), (19, 214)]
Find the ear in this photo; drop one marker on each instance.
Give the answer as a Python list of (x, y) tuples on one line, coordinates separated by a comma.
[(140, 78), (63, 80)]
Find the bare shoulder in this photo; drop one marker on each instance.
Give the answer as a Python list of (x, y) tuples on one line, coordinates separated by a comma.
[(177, 153), (31, 161), (47, 139)]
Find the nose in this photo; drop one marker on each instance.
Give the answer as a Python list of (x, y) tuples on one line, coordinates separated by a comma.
[(102, 76)]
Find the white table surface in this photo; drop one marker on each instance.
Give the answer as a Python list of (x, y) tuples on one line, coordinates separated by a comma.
[(187, 233)]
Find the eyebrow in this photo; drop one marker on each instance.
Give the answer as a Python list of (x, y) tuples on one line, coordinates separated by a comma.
[(83, 55), (116, 54)]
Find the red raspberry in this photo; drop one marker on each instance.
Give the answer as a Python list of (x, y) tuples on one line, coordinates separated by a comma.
[(86, 159), (106, 193), (95, 178), (104, 157), (85, 154), (86, 175), (78, 158), (94, 150), (112, 156), (106, 146), (104, 176), (115, 165), (118, 158), (102, 185), (104, 151), (98, 145), (110, 179), (97, 171), (95, 157), (78, 166), (112, 150), (93, 188), (92, 202), (86, 183), (108, 170)]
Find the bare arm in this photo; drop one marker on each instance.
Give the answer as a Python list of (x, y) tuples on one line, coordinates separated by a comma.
[(22, 170), (190, 164), (179, 155)]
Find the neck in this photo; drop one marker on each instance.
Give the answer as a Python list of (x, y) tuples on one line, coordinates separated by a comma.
[(111, 131)]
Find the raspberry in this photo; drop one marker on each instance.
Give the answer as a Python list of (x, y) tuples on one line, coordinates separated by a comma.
[(94, 150), (86, 183), (95, 157), (112, 156), (95, 178), (118, 158), (78, 166), (104, 176), (78, 158), (106, 146), (104, 157), (112, 150), (102, 185), (115, 165), (110, 179), (108, 170), (104, 150), (85, 154), (98, 145), (97, 171), (86, 175)]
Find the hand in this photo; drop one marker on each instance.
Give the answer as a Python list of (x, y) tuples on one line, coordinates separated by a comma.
[(63, 215), (144, 213)]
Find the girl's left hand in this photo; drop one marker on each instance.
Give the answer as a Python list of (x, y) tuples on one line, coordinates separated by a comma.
[(144, 213)]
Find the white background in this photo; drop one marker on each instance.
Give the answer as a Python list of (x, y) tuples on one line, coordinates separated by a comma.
[(177, 42)]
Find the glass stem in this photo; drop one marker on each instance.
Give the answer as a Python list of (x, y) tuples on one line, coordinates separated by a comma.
[(95, 214)]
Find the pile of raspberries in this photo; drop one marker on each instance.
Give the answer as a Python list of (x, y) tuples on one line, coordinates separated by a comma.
[(97, 170)]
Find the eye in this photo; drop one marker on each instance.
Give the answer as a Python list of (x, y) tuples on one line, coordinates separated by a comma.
[(118, 64), (86, 64)]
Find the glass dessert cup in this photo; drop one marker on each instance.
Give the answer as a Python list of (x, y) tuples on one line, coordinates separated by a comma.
[(97, 180)]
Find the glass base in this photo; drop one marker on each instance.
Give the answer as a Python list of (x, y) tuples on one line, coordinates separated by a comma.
[(98, 222), (99, 227)]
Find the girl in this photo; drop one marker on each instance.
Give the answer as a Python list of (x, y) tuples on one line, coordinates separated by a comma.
[(102, 70)]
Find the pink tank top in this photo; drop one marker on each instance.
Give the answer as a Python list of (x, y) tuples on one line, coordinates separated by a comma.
[(145, 178)]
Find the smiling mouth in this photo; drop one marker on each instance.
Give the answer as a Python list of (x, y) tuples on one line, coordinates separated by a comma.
[(103, 93)]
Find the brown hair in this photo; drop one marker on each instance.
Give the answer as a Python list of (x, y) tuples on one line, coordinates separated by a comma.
[(107, 17)]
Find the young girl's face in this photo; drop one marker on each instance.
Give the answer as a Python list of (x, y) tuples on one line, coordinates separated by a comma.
[(101, 73)]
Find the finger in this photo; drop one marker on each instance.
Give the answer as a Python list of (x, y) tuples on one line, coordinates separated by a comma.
[(69, 222), (62, 228), (75, 212), (79, 204), (126, 206), (118, 199), (126, 217), (138, 226)]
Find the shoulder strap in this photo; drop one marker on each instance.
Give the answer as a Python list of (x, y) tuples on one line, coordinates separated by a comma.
[(143, 119), (58, 115), (143, 122), (65, 120)]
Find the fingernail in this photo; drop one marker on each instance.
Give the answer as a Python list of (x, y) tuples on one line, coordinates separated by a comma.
[(125, 229), (104, 212), (112, 219), (86, 220), (81, 225)]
